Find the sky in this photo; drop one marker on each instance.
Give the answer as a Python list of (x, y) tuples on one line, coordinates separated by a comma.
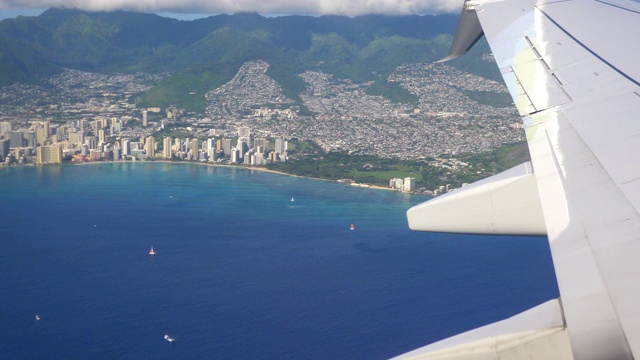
[(191, 9)]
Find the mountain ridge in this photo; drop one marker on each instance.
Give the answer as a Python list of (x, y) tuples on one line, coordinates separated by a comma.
[(209, 51)]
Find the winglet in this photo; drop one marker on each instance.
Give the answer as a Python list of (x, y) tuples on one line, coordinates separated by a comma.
[(468, 32)]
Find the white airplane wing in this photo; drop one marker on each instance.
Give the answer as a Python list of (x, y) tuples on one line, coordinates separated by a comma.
[(573, 70)]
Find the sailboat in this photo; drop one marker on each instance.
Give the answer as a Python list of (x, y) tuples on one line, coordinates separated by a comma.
[(292, 199), (352, 227), (152, 252), (37, 317)]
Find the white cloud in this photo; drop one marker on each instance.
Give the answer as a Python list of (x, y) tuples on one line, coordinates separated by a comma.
[(305, 7)]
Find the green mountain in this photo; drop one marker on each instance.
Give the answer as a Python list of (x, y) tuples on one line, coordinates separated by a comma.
[(205, 53)]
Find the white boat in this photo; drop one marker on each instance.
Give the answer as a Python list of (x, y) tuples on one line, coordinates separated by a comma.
[(292, 199), (169, 338), (152, 252), (37, 317)]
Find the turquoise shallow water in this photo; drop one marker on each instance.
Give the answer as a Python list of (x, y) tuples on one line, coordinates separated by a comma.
[(241, 272)]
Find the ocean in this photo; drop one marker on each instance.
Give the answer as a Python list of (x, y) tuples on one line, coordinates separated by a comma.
[(241, 271)]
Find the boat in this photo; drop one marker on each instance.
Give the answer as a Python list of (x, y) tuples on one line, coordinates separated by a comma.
[(152, 252), (37, 317), (169, 338), (352, 227), (292, 199)]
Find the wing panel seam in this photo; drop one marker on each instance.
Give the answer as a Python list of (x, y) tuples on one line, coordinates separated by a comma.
[(618, 6), (587, 237), (636, 82)]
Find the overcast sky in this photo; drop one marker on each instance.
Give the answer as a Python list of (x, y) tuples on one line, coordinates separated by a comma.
[(188, 9)]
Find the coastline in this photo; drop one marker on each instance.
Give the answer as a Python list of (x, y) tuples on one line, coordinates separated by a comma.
[(369, 186)]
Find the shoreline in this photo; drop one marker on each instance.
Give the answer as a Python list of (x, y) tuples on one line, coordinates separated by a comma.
[(369, 186)]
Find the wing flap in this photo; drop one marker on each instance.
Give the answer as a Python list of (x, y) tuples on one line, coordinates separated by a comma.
[(537, 333)]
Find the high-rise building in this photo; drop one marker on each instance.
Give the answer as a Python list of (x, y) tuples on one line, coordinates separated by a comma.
[(261, 142), (84, 125), (235, 155), (74, 140), (396, 183), (126, 146), (17, 139), (243, 148), (211, 144), (5, 127), (211, 148), (166, 148), (49, 155), (40, 137), (47, 129), (145, 118), (5, 144), (117, 153), (91, 142), (97, 125), (281, 146), (107, 153), (244, 139), (226, 146), (409, 184), (116, 126), (150, 147), (31, 139), (95, 154), (177, 145), (194, 149), (260, 159), (101, 136)]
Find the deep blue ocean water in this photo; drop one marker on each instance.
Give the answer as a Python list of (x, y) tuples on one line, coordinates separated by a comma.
[(241, 271)]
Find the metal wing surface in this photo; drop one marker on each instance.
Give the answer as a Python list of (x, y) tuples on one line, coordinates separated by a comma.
[(573, 70)]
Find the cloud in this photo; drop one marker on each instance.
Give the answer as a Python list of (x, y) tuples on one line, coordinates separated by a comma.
[(304, 7)]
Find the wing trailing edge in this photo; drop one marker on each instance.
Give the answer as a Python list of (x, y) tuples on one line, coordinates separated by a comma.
[(537, 333)]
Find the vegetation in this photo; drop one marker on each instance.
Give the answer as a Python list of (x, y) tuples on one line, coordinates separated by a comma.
[(392, 91), (203, 54), (188, 89), (428, 173)]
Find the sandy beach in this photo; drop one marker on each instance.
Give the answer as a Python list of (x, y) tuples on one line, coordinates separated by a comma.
[(368, 186)]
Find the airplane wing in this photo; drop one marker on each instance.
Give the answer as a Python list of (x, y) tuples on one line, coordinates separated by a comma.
[(573, 70)]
